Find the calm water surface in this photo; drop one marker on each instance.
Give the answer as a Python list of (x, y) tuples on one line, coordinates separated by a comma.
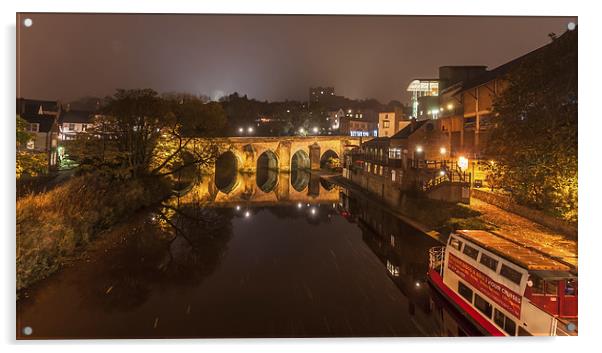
[(318, 262)]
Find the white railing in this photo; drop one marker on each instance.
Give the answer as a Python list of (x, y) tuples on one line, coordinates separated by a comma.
[(562, 328), (436, 258)]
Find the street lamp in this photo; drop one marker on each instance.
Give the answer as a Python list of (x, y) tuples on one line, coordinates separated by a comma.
[(315, 129), (250, 130), (418, 149), (463, 163), (301, 130), (241, 130), (443, 151)]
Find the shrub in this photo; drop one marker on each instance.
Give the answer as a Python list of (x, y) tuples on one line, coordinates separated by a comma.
[(51, 226)]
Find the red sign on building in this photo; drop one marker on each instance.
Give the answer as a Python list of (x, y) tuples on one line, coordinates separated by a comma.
[(497, 292)]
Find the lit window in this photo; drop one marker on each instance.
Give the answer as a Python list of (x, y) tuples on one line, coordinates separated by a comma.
[(30, 145), (34, 127), (394, 270), (386, 124), (393, 175)]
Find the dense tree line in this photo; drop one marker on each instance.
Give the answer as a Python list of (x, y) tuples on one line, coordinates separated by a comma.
[(535, 140)]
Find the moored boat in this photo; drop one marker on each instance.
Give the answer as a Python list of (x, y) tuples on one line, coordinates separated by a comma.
[(503, 287)]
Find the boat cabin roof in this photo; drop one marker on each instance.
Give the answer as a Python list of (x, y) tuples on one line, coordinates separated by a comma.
[(535, 261)]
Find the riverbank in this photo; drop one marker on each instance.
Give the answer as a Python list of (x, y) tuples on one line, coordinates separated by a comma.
[(56, 225), (506, 224)]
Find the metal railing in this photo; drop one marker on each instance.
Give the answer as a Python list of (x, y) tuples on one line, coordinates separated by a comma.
[(437, 258)]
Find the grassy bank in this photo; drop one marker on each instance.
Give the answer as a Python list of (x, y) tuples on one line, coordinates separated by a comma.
[(54, 225)]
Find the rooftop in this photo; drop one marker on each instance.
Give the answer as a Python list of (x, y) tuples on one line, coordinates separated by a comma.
[(517, 253)]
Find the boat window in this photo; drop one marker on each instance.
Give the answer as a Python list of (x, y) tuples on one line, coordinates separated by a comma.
[(570, 287), (455, 243), (465, 291), (511, 274), (489, 262), (504, 322), (470, 251), (523, 332), (537, 286), (551, 288), (483, 305)]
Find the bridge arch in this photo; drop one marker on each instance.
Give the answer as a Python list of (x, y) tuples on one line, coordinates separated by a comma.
[(300, 160), (267, 171), (226, 171)]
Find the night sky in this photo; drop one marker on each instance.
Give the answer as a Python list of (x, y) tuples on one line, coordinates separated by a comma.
[(67, 56)]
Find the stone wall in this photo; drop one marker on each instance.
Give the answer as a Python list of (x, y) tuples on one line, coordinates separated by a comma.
[(506, 203)]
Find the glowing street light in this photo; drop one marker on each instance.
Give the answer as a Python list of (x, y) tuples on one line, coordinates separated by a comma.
[(313, 211), (442, 172), (463, 163), (250, 129), (418, 149), (247, 214), (450, 106), (299, 205), (238, 207), (301, 130), (241, 130), (443, 151), (315, 129)]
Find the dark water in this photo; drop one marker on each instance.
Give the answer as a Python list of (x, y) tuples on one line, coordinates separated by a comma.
[(326, 265)]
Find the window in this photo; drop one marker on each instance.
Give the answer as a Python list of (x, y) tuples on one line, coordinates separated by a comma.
[(395, 153), (570, 287), (455, 243), (464, 291), (386, 123), (392, 240), (71, 127), (523, 332), (511, 274), (34, 127), (504, 322), (471, 252), (392, 175), (31, 145), (84, 127), (489, 262), (537, 286), (393, 270), (483, 305), (551, 288)]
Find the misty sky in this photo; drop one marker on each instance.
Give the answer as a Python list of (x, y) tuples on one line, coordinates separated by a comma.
[(66, 56)]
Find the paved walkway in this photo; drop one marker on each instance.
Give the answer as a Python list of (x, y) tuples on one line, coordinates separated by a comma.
[(527, 232)]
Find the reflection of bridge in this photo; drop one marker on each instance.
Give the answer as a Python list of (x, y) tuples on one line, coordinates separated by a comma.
[(290, 188), (282, 153)]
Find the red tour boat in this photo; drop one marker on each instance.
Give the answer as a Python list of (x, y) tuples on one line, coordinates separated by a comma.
[(505, 288)]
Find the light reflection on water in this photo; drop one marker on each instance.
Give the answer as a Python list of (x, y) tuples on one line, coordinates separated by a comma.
[(319, 262)]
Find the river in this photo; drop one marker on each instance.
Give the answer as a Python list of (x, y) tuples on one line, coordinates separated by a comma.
[(254, 257)]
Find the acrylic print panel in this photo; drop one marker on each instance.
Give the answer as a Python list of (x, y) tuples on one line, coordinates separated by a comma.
[(216, 176)]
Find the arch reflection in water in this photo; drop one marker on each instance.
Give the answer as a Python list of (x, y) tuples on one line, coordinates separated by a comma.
[(267, 171), (300, 175), (226, 172)]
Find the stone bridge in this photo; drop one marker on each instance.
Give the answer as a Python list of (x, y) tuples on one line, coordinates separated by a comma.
[(281, 153)]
